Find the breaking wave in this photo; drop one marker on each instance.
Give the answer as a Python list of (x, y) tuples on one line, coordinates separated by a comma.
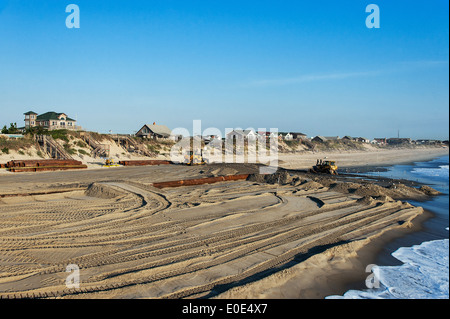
[(424, 275), (441, 172)]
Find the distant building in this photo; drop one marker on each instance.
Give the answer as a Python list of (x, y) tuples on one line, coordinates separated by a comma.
[(362, 140), (241, 135), (30, 119), (298, 136), (293, 136), (263, 134), (50, 121), (398, 141), (319, 138), (428, 142), (332, 138), (380, 141), (154, 131)]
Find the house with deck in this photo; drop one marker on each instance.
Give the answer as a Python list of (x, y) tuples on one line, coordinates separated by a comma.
[(154, 131), (50, 121)]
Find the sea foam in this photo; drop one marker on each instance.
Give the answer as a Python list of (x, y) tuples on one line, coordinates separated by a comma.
[(424, 274), (441, 172)]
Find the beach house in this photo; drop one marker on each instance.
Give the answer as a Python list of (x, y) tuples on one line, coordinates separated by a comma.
[(50, 121), (298, 136), (319, 138), (154, 131), (380, 141), (241, 135)]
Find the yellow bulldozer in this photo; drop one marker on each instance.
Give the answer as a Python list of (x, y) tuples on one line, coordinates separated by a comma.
[(109, 162), (325, 166), (194, 158)]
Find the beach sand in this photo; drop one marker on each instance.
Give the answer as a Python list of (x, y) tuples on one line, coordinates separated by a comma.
[(375, 157), (306, 238)]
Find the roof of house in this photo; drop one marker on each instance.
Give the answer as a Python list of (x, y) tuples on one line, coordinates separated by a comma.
[(320, 138), (242, 132), (161, 130), (399, 139), (297, 133), (29, 113), (51, 116), (332, 138)]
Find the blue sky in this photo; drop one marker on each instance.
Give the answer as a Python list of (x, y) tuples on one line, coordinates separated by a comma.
[(308, 66)]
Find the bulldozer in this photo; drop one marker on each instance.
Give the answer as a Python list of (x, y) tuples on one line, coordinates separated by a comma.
[(194, 158), (325, 166), (109, 162)]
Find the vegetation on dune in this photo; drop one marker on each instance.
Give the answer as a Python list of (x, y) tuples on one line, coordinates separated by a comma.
[(23, 144)]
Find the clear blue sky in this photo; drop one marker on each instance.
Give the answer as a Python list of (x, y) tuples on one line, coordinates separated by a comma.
[(308, 66)]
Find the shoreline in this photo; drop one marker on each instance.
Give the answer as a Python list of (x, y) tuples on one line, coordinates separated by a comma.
[(338, 278), (366, 160), (344, 270)]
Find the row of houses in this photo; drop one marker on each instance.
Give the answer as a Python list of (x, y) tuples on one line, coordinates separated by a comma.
[(251, 134), (378, 141), (53, 121)]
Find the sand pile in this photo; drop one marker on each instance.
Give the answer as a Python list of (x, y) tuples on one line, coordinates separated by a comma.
[(279, 177), (396, 191), (102, 191), (306, 184), (429, 191), (224, 172), (366, 200)]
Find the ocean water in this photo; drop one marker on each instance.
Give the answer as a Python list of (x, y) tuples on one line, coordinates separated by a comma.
[(415, 266)]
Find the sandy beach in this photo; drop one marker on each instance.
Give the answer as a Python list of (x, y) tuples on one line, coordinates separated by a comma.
[(307, 236), (374, 157)]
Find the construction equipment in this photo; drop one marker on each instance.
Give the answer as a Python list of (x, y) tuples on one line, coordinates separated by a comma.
[(109, 162), (194, 157), (325, 166)]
